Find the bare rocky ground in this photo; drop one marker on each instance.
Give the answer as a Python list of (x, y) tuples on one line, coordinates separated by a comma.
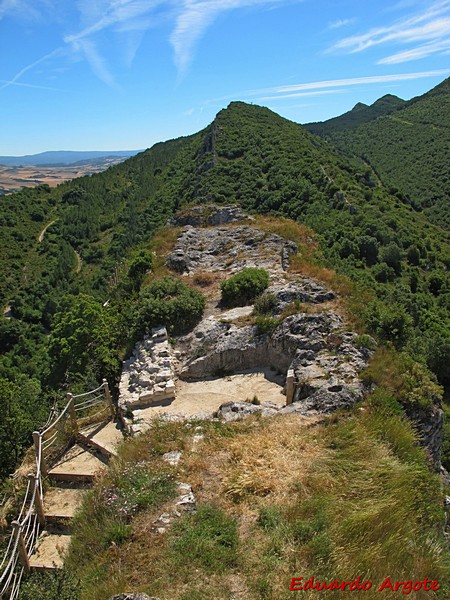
[(225, 362)]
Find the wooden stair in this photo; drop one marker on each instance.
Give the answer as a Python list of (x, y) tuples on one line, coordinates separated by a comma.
[(72, 474)]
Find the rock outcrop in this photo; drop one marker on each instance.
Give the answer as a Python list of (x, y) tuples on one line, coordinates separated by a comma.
[(205, 215), (321, 358), (325, 361), (229, 249), (304, 290)]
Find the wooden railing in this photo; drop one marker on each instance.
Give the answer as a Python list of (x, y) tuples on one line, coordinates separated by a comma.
[(58, 434)]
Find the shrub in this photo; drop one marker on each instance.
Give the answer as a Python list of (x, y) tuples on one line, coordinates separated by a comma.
[(266, 324), (244, 287), (265, 304), (141, 263), (365, 341), (55, 585), (170, 302)]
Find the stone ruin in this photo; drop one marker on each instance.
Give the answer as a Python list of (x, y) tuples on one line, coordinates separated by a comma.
[(148, 375)]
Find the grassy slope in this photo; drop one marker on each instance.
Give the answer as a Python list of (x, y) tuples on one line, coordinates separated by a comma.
[(276, 499), (408, 148)]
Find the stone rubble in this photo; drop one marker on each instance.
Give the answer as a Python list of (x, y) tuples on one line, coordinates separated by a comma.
[(148, 375), (185, 502)]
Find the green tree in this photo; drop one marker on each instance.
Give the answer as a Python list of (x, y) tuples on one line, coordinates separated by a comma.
[(84, 338), (21, 411), (141, 263), (392, 256), (368, 249)]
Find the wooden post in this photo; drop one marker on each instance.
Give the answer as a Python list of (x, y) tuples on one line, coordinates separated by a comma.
[(38, 500), (73, 414), (108, 398), (38, 443), (290, 386), (23, 554)]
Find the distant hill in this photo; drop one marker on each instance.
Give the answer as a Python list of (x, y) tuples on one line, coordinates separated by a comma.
[(407, 144), (64, 157), (360, 113)]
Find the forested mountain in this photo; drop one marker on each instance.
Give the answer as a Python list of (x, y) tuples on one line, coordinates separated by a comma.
[(60, 334), (406, 144), (360, 113)]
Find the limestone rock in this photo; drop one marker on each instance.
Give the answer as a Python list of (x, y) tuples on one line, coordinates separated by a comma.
[(304, 290), (173, 457), (229, 249), (209, 214), (232, 411)]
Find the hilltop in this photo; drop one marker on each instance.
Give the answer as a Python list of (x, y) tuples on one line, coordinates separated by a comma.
[(247, 430), (360, 113), (89, 266), (102, 225), (405, 143)]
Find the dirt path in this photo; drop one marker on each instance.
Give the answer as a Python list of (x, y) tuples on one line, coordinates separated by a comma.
[(42, 233), (79, 262)]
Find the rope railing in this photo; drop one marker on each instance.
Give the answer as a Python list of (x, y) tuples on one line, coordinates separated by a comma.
[(54, 438)]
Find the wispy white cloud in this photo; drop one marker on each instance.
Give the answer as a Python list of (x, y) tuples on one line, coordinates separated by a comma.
[(340, 23), (441, 46), (194, 19), (430, 26), (278, 96), (129, 20), (29, 67), (371, 79), (28, 85), (328, 86)]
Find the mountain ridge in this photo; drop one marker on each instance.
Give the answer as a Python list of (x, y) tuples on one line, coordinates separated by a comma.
[(407, 147), (62, 157)]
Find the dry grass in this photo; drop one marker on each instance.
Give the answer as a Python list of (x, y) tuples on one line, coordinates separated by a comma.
[(204, 279), (307, 263), (268, 463), (302, 235), (327, 497), (161, 244)]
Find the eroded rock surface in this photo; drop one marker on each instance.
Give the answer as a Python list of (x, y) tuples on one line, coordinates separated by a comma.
[(230, 249), (322, 357), (326, 361)]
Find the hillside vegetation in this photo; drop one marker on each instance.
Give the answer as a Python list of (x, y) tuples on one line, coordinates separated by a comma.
[(406, 144), (276, 499), (248, 155)]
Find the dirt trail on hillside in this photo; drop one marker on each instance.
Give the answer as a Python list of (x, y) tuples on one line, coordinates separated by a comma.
[(42, 232)]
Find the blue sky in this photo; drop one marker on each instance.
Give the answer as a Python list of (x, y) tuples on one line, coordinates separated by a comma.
[(124, 74)]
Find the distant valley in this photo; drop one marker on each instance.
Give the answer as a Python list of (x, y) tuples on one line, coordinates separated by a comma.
[(53, 168)]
